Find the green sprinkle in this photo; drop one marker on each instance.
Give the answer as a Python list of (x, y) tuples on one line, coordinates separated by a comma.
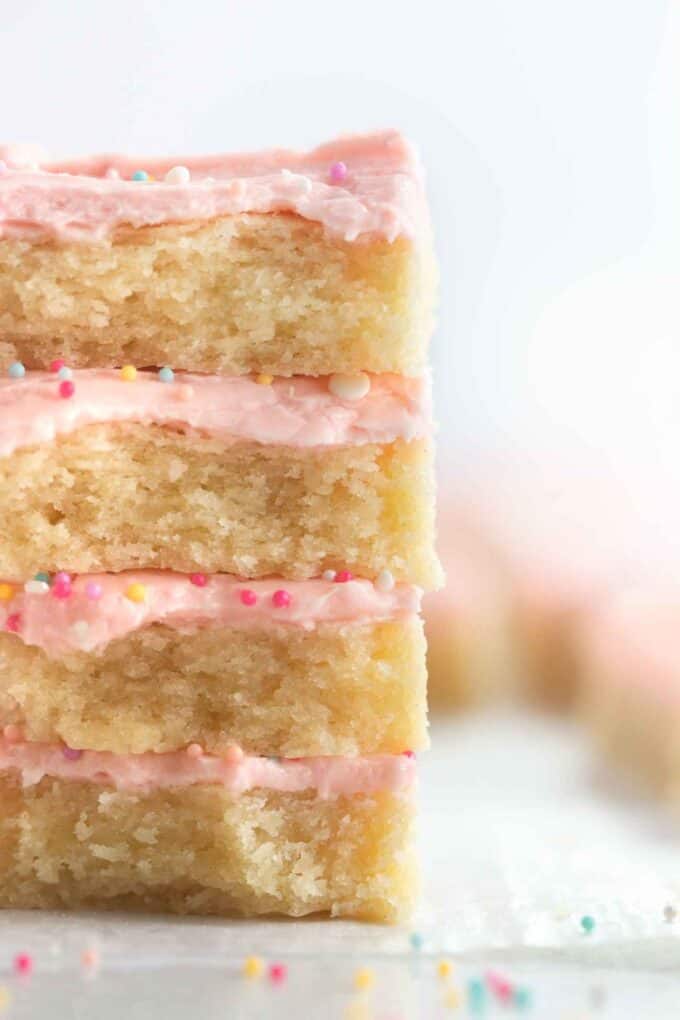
[(476, 996), (588, 924), (42, 576), (521, 998)]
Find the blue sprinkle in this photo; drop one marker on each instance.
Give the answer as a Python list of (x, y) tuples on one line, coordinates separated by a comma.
[(65, 373), (16, 370), (140, 175), (416, 940), (588, 924), (166, 374), (43, 576), (476, 995), (521, 998)]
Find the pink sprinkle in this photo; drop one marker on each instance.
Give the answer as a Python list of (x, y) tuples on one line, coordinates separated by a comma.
[(200, 580), (66, 389), (343, 576), (12, 623), (281, 598), (408, 754), (248, 597), (338, 173), (56, 365), (61, 585), (499, 985), (71, 753), (194, 751), (278, 972), (93, 590), (23, 963), (89, 958)]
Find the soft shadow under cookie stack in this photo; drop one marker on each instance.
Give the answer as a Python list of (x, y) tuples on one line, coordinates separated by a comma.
[(212, 678)]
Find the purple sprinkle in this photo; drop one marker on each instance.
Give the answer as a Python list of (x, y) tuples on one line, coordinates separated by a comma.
[(71, 754), (337, 173), (93, 590)]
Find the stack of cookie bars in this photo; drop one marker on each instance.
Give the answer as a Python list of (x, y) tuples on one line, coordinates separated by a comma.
[(216, 489)]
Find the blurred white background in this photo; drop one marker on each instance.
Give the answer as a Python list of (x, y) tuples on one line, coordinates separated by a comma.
[(549, 130)]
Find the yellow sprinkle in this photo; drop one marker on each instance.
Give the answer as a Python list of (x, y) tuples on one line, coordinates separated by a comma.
[(364, 978), (136, 592), (252, 967), (452, 999), (128, 373), (6, 592), (5, 997), (264, 380), (444, 968)]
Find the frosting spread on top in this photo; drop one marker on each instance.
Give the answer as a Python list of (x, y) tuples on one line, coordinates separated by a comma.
[(331, 776), (381, 194), (83, 622), (300, 411)]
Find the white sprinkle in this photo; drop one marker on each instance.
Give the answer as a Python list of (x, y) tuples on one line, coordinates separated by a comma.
[(384, 581), (112, 174), (80, 630), (36, 587), (349, 387), (328, 575), (178, 175)]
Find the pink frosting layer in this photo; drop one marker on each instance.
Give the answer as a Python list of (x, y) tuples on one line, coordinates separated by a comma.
[(328, 776), (381, 195), (60, 625), (300, 411)]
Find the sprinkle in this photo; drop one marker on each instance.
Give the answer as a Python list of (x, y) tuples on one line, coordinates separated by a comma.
[(195, 751), (200, 580), (42, 575), (444, 969), (476, 995), (233, 754), (588, 924), (408, 754), (61, 586), (64, 373), (166, 374), (253, 967), (66, 389), (500, 986), (6, 592), (93, 590), (328, 575), (36, 587), (56, 365), (136, 592), (128, 373), (185, 392), (452, 998), (16, 370), (264, 380), (12, 733), (521, 997), (384, 581), (5, 997), (112, 173), (23, 963), (281, 598), (669, 913), (248, 597), (278, 973), (13, 623), (89, 959), (337, 173), (416, 940), (71, 753), (140, 175), (178, 175), (364, 978), (349, 387), (80, 630), (343, 576)]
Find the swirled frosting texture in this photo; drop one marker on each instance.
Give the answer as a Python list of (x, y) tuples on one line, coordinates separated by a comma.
[(88, 199)]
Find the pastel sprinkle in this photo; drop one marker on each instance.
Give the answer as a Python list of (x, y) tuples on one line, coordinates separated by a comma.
[(112, 173), (13, 623), (408, 754), (16, 370), (278, 973), (233, 754), (452, 998), (71, 753), (328, 575), (253, 967), (384, 581), (61, 586), (5, 997), (23, 963), (93, 590), (66, 389), (364, 978), (343, 576), (178, 175), (89, 959), (444, 969), (476, 995), (36, 587), (248, 597), (128, 373), (64, 373), (338, 172), (6, 592), (194, 751), (521, 997), (349, 387), (416, 940), (136, 592), (42, 575), (56, 365), (500, 986), (588, 924), (200, 580), (166, 374), (281, 598), (264, 380), (140, 175)]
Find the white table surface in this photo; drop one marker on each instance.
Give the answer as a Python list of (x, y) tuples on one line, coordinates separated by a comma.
[(522, 834)]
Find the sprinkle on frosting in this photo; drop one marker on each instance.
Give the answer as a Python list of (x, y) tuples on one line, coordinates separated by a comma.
[(66, 389), (13, 623), (136, 592), (178, 175), (278, 973), (384, 581), (140, 175), (338, 172), (588, 924), (128, 373), (195, 751), (343, 576), (36, 587), (6, 592), (93, 591), (23, 964), (248, 597), (166, 374), (200, 580), (65, 373), (349, 387), (71, 753), (16, 370), (328, 575), (61, 586), (281, 598), (263, 379), (364, 978), (253, 967), (56, 365)]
